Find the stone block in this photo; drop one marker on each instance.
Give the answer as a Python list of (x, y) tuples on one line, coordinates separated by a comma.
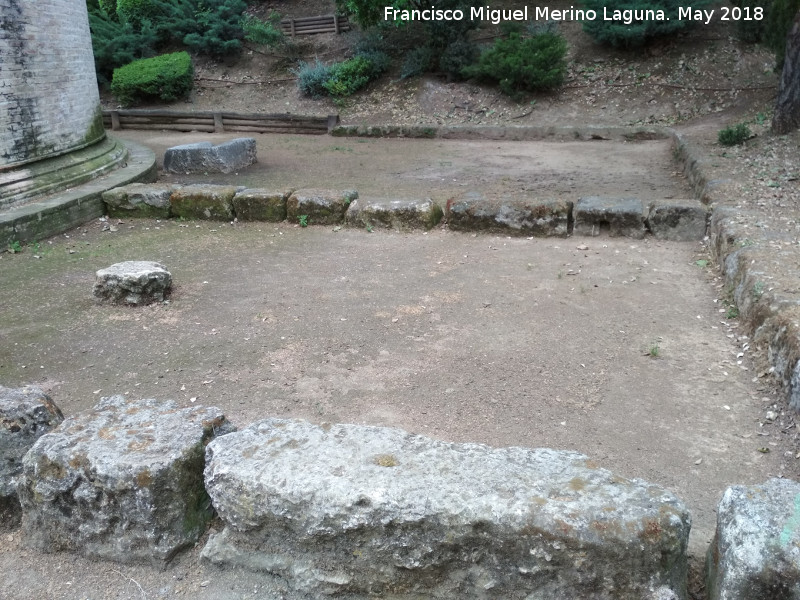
[(474, 212), (321, 207), (123, 481), (393, 213), (134, 282), (260, 205), (26, 414), (755, 554), (677, 220), (140, 200), (211, 202), (203, 157), (616, 217), (368, 512)]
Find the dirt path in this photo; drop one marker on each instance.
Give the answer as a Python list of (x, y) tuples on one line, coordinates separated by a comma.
[(619, 349)]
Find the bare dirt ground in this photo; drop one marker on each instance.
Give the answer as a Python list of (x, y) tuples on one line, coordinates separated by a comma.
[(619, 349)]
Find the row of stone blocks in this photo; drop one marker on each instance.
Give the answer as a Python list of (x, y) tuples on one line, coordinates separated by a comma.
[(356, 512), (590, 216)]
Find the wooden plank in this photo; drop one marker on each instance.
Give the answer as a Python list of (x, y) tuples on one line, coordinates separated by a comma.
[(176, 127), (251, 129), (322, 123)]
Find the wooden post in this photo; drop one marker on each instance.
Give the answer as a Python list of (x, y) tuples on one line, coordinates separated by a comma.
[(333, 121), (115, 126), (336, 23), (219, 126), (292, 27)]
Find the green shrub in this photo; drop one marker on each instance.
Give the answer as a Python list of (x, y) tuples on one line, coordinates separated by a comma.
[(638, 32), (266, 33), (417, 62), (734, 135), (456, 57), (166, 77), (135, 11), (379, 62), (220, 23), (349, 76), (116, 44), (523, 64), (311, 78), (109, 7)]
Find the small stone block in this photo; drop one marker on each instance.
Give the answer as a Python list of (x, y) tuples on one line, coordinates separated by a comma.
[(203, 157), (26, 414), (209, 202), (522, 216), (147, 200), (677, 220), (260, 205), (616, 217), (123, 481), (320, 207), (755, 554), (134, 282), (366, 512), (398, 214)]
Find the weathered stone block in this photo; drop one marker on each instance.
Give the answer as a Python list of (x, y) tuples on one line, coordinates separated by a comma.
[(260, 205), (321, 207), (473, 211), (26, 414), (677, 220), (140, 200), (203, 157), (614, 216), (755, 554), (133, 282), (377, 512), (123, 481), (213, 202), (394, 214)]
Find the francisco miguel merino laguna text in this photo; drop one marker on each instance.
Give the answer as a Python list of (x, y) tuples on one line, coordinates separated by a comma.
[(495, 16)]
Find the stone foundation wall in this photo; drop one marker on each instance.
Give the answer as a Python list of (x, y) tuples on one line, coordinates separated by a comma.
[(49, 102)]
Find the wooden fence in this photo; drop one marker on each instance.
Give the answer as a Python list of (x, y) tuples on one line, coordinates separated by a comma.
[(217, 122), (311, 25)]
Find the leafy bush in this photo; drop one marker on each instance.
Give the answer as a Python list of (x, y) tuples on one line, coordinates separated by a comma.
[(456, 57), (311, 78), (349, 76), (754, 30), (166, 77), (116, 44), (379, 62), (734, 135), (523, 64), (135, 11), (266, 33), (109, 7), (417, 62), (638, 32)]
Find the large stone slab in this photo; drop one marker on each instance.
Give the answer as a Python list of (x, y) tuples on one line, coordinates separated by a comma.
[(213, 202), (677, 220), (394, 213), (123, 481), (616, 217), (26, 414), (133, 282), (376, 512), (755, 554), (318, 206), (256, 204), (475, 212), (140, 200), (203, 157)]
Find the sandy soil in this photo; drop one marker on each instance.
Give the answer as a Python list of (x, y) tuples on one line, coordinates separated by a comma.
[(616, 348)]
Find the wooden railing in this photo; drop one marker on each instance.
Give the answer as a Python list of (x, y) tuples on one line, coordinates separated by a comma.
[(311, 25), (217, 122)]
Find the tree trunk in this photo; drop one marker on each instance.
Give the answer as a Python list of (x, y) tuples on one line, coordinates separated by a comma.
[(787, 106)]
